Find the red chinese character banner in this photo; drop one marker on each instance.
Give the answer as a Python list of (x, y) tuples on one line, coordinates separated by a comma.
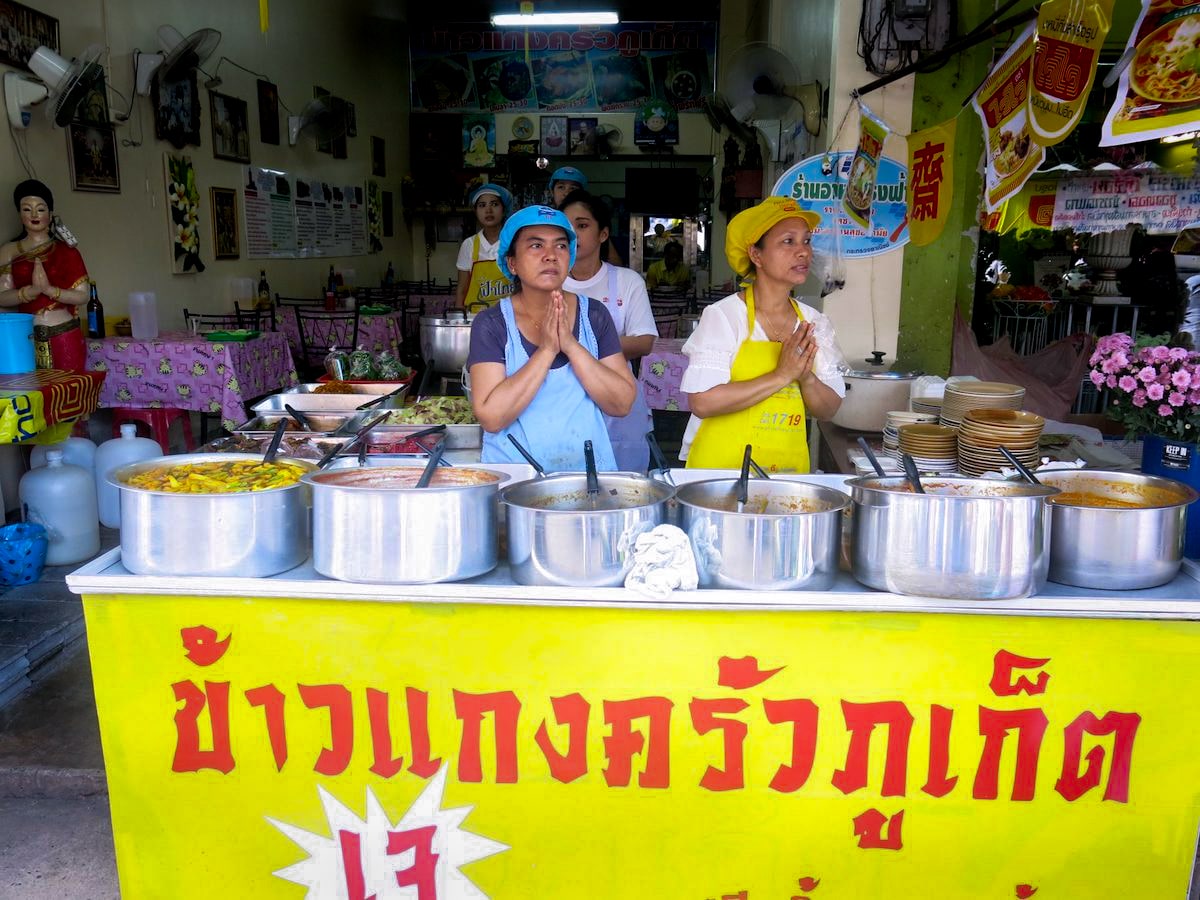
[(930, 181), (1067, 47)]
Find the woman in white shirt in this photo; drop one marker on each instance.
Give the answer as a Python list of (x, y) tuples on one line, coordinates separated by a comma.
[(479, 278), (760, 361), (623, 293)]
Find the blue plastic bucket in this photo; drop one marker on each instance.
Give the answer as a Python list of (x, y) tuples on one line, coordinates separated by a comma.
[(23, 549), (16, 343)]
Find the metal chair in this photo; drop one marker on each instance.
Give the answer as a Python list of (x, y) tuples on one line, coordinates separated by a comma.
[(321, 331), (667, 312), (201, 322), (255, 319)]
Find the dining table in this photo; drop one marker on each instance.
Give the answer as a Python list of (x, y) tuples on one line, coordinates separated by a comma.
[(376, 331), (661, 371), (42, 405), (192, 371)]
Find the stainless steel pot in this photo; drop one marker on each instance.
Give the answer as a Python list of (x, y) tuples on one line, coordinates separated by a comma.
[(1117, 549), (378, 533), (554, 537), (965, 538), (252, 535), (789, 536), (446, 340), (870, 396)]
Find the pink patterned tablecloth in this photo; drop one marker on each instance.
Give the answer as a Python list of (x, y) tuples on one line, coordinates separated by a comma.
[(375, 332), (185, 371), (662, 370)]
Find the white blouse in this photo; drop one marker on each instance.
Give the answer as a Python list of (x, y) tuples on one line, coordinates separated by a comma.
[(715, 342)]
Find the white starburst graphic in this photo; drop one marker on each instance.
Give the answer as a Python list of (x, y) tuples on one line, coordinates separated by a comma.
[(354, 862)]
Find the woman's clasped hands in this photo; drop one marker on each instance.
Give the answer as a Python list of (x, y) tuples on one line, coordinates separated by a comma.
[(798, 355)]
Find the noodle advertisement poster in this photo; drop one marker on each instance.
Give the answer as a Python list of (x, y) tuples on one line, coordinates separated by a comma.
[(1070, 35), (1002, 102), (1158, 94), (860, 187)]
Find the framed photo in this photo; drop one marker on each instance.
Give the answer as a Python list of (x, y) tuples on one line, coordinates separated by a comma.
[(93, 110), (523, 148), (319, 93), (656, 123), (226, 244), (268, 112), (478, 141), (582, 134), (230, 127), (92, 150), (23, 30), (389, 225), (450, 229), (378, 157), (554, 135), (176, 110), (351, 120)]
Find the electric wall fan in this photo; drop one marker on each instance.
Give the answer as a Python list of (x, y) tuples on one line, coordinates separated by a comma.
[(66, 83), (179, 55), (323, 118)]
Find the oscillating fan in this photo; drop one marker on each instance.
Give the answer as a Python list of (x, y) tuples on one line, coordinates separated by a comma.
[(68, 83), (608, 137), (324, 118), (179, 56), (762, 83)]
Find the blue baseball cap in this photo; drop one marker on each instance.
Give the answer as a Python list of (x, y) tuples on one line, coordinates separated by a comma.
[(568, 173), (506, 199), (531, 215)]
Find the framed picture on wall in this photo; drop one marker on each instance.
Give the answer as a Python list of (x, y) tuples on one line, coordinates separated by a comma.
[(582, 137), (226, 243), (176, 111), (23, 30), (230, 127), (92, 150), (268, 112), (378, 156), (554, 135)]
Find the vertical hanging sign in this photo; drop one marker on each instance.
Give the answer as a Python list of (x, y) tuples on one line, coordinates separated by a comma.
[(1066, 50), (930, 181)]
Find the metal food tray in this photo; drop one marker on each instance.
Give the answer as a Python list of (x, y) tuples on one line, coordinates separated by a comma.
[(373, 388), (324, 424), (296, 445), (458, 437), (309, 402)]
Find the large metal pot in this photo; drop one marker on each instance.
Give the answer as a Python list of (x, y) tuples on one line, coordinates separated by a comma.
[(446, 340), (1116, 549), (870, 395), (555, 537), (965, 538), (788, 537), (373, 525), (252, 534)]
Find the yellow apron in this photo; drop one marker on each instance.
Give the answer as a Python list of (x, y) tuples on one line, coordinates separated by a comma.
[(775, 427), (487, 284)]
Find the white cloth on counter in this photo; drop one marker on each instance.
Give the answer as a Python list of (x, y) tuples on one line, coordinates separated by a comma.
[(662, 563)]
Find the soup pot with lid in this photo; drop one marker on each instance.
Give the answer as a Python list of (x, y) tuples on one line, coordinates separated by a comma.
[(1116, 530), (964, 538)]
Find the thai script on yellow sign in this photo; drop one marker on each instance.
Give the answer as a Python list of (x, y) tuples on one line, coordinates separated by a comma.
[(1070, 35)]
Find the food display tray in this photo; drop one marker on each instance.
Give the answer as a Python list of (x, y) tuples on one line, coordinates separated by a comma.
[(323, 423), (294, 445), (373, 388), (458, 437), (309, 402)]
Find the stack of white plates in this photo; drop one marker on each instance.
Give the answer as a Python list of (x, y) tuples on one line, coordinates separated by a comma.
[(983, 431), (964, 396), (930, 405), (891, 429), (934, 448)]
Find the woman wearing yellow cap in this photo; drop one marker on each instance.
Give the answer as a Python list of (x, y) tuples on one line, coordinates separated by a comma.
[(760, 361)]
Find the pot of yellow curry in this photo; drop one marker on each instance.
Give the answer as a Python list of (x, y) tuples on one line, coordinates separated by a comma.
[(214, 514), (1115, 531)]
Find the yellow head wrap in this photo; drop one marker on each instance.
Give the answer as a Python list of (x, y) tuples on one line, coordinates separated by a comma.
[(744, 229)]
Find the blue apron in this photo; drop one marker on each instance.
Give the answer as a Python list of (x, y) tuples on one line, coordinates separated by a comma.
[(628, 432), (561, 415)]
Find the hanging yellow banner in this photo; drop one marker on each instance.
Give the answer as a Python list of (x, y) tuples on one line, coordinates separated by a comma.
[(1070, 35), (930, 181), (265, 747), (1032, 207)]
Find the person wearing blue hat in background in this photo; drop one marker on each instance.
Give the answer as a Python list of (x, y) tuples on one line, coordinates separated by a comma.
[(546, 365), (479, 278), (564, 182)]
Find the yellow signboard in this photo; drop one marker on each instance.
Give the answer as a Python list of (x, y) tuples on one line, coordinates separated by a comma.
[(316, 748), (1070, 35), (930, 181)]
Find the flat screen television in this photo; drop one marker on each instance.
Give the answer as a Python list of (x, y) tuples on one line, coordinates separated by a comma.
[(674, 193)]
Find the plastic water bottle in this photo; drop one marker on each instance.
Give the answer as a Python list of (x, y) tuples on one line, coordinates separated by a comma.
[(112, 454), (77, 451), (143, 315), (62, 499)]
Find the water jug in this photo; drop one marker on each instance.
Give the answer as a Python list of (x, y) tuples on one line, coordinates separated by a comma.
[(143, 315), (62, 499), (112, 454), (76, 451), (16, 343)]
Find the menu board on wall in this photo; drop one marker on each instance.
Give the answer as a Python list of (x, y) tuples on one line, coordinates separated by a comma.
[(1160, 202), (294, 217)]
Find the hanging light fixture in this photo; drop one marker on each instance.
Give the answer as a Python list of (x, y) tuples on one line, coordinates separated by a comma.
[(527, 17)]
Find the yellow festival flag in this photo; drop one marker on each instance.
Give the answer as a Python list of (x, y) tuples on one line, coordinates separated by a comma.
[(1067, 47), (930, 181)]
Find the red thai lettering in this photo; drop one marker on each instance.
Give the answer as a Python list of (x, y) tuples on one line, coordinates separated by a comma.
[(572, 711), (803, 716), (188, 755), (861, 719), (352, 865), (743, 672), (731, 776), (623, 741), (505, 709), (384, 764), (869, 828), (201, 644), (421, 873), (417, 703), (271, 699), (334, 759), (937, 784), (1002, 683), (1123, 726), (994, 725)]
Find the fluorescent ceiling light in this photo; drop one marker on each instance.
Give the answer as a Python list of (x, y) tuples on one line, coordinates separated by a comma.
[(1179, 138), (561, 18)]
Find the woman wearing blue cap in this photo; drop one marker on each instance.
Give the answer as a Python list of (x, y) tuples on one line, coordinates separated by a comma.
[(546, 366), (479, 278), (565, 181)]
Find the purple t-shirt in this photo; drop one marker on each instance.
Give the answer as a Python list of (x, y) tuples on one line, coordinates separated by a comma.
[(489, 336)]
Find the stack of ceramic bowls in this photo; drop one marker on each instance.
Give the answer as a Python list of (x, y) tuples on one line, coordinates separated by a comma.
[(934, 448), (929, 405), (983, 431), (891, 428), (967, 395)]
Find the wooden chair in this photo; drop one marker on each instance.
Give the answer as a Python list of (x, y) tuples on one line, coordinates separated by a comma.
[(321, 331), (202, 322)]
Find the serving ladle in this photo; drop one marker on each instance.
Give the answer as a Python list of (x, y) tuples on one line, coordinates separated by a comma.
[(1019, 466), (871, 457), (276, 440), (435, 457), (743, 483), (340, 448), (910, 470), (300, 417)]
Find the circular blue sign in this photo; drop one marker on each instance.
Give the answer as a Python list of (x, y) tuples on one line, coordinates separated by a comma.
[(817, 184)]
